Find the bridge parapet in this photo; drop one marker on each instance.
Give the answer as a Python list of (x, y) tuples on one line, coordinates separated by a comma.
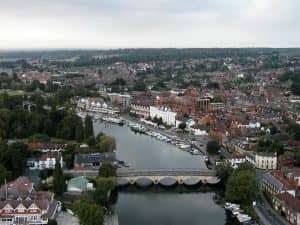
[(164, 172)]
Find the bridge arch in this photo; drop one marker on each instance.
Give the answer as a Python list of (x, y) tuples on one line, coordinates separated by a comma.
[(191, 181), (168, 181), (144, 181)]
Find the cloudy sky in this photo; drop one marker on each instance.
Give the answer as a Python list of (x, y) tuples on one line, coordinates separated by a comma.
[(149, 23)]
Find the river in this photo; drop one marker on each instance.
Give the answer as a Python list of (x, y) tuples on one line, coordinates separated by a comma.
[(163, 207)]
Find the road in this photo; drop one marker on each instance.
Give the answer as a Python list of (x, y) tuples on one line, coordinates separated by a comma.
[(65, 218)]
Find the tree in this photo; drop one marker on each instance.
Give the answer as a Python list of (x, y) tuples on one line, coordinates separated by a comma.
[(139, 86), (182, 126), (91, 141), (213, 147), (52, 222), (107, 170), (79, 134), (106, 143), (274, 130), (88, 127), (224, 170), (246, 166), (14, 157), (297, 158), (242, 187), (45, 173), (69, 155), (4, 174), (88, 213), (58, 179), (104, 186)]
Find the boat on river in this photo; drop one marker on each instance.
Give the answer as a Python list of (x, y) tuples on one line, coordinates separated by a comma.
[(119, 121), (195, 152), (236, 211), (184, 146)]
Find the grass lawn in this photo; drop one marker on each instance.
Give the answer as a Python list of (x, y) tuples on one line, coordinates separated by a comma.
[(11, 92)]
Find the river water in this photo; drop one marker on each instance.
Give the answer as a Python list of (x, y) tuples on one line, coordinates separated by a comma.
[(148, 207)]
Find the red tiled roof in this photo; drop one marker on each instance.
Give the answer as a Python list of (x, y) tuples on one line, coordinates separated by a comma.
[(20, 187), (290, 201)]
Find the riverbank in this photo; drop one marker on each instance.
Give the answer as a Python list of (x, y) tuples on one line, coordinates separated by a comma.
[(111, 219)]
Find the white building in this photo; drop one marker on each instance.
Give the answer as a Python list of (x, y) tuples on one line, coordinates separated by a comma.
[(140, 110), (46, 161), (235, 160), (250, 125), (96, 105), (168, 117), (263, 160), (266, 161)]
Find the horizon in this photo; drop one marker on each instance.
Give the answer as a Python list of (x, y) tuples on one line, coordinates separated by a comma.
[(132, 48)]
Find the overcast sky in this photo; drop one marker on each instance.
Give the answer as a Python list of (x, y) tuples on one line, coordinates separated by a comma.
[(149, 23)]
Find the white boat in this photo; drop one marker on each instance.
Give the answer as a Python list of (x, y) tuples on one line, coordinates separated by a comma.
[(243, 218), (196, 152), (184, 146), (97, 117)]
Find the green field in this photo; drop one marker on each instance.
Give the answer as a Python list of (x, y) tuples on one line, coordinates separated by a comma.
[(11, 92)]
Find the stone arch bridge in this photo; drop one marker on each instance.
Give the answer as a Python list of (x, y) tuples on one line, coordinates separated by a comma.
[(166, 177)]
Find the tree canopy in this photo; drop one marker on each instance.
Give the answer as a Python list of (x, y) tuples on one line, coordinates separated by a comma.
[(58, 180), (107, 170), (213, 147), (242, 186), (89, 213), (88, 127)]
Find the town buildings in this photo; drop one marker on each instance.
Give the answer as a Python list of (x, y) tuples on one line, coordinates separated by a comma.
[(284, 188), (288, 206), (168, 117), (95, 105)]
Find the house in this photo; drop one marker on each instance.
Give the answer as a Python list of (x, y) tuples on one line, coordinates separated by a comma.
[(288, 206), (120, 99), (21, 204), (272, 184), (93, 159), (279, 181), (46, 161), (140, 110), (236, 159), (79, 184), (168, 117), (266, 160), (96, 105)]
